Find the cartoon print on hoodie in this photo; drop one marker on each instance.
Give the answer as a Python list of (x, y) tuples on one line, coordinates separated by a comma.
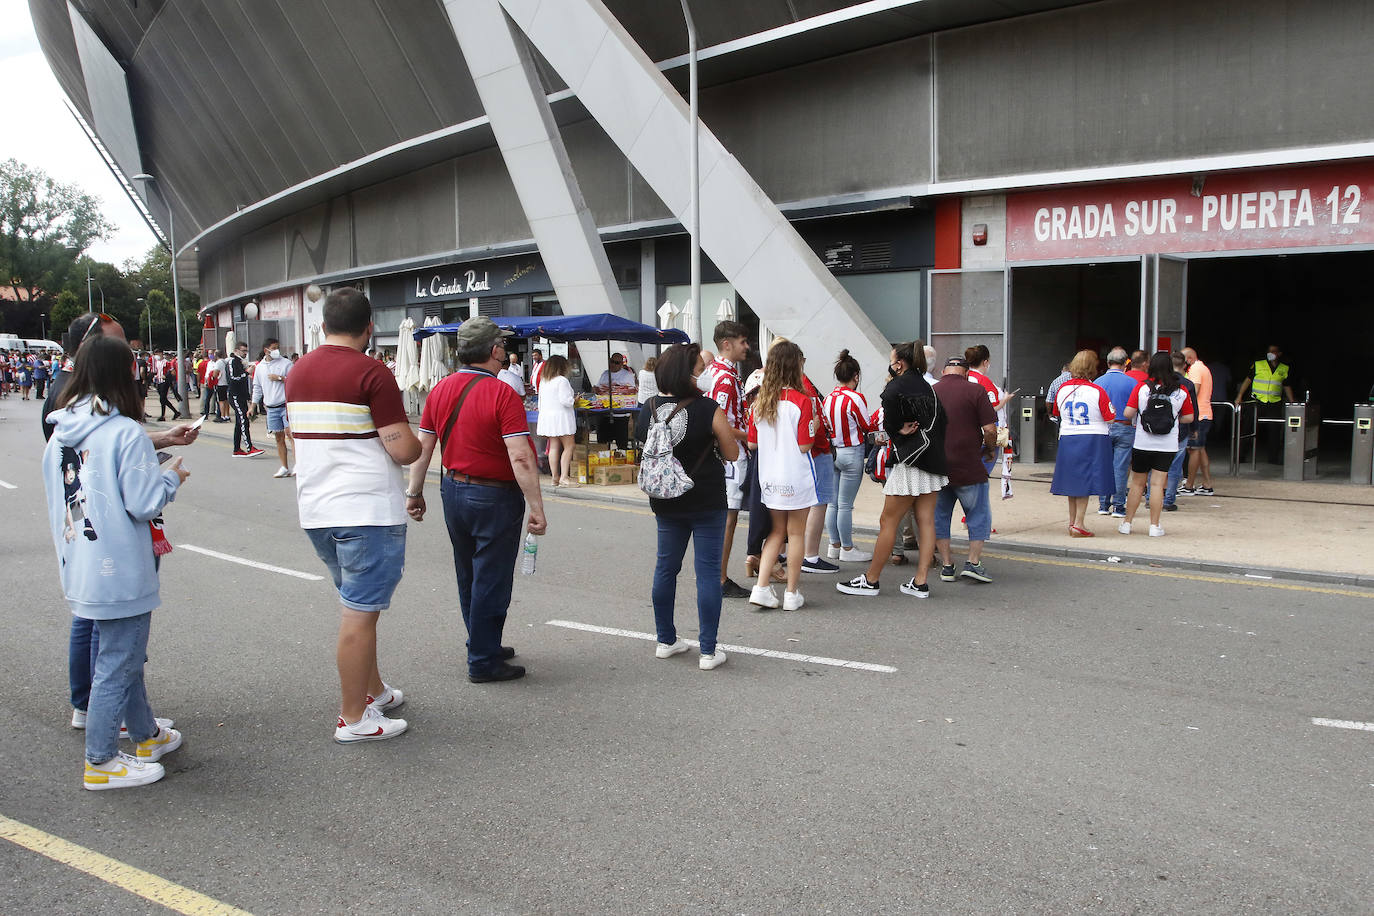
[(74, 494)]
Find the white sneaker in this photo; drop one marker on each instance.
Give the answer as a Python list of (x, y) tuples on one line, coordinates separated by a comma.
[(833, 552), (373, 726), (792, 601), (1124, 527), (1156, 531), (763, 596), (164, 742), (666, 650), (854, 555), (712, 661), (122, 771), (78, 718), (284, 471), (124, 726), (390, 698)]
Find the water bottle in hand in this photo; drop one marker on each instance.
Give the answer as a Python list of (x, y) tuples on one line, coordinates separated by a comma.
[(531, 553)]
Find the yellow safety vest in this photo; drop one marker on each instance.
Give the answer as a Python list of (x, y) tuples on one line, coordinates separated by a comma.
[(1268, 384)]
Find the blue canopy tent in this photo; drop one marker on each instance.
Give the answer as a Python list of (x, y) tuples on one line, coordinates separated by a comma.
[(563, 328)]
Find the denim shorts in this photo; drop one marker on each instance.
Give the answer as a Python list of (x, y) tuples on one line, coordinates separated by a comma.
[(276, 419), (825, 478), (365, 561), (1200, 430), (977, 510)]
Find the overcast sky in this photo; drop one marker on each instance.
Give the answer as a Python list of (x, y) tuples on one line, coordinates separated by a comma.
[(41, 132)]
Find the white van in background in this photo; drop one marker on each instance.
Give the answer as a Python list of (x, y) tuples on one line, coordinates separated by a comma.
[(29, 344)]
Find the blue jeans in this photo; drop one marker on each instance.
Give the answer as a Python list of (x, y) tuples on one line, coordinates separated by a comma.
[(117, 692), (849, 474), (484, 526), (977, 510), (1123, 438), (365, 562), (81, 651), (1176, 472), (707, 531)]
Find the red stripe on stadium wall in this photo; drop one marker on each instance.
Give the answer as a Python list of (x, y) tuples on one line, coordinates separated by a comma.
[(948, 219)]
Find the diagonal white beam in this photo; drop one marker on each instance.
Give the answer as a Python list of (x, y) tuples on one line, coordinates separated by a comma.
[(741, 229), (529, 140)]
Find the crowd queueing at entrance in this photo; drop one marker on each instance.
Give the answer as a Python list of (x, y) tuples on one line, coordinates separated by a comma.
[(716, 443)]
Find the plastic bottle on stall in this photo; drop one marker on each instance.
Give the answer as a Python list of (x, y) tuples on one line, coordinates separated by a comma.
[(530, 555)]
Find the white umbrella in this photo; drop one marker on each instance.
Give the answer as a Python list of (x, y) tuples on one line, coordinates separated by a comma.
[(725, 311), (314, 336), (432, 354), (230, 342), (407, 359), (689, 319), (666, 313)]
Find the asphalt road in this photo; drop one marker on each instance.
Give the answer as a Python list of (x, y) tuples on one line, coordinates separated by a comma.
[(1072, 738)]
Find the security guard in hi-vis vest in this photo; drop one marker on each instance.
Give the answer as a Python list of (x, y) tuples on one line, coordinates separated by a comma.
[(1268, 383)]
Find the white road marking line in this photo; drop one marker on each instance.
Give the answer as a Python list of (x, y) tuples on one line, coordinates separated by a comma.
[(1344, 723), (309, 577), (7, 485), (741, 650)]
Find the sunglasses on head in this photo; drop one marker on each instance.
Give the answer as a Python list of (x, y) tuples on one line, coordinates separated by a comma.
[(100, 317)]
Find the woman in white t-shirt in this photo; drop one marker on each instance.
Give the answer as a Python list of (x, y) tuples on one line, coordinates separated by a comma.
[(782, 428), (648, 384), (1153, 450), (557, 418)]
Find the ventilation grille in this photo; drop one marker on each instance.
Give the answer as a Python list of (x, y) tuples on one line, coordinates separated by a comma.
[(875, 256)]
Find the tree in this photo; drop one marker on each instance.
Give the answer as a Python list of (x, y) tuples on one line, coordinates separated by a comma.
[(154, 274), (65, 309), (40, 220)]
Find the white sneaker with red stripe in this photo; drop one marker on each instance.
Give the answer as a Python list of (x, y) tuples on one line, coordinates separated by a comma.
[(389, 699), (373, 726)]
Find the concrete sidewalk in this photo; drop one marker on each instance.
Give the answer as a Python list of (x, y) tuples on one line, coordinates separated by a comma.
[(1318, 532)]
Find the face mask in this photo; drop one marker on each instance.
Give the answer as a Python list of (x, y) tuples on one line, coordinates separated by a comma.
[(1272, 357), (274, 354)]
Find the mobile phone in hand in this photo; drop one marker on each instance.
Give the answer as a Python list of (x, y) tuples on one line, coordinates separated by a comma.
[(199, 422), (163, 457)]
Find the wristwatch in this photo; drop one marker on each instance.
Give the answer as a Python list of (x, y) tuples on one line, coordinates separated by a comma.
[(414, 495)]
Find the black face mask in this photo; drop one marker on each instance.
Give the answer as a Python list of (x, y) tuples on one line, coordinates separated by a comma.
[(893, 370)]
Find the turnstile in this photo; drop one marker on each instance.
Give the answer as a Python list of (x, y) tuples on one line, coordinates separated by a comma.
[(1027, 425), (1301, 426), (1362, 445)]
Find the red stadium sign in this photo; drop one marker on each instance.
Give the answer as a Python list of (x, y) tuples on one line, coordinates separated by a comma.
[(1329, 205)]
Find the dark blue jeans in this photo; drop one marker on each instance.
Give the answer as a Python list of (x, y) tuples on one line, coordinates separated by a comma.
[(707, 530), (484, 526), (1123, 439), (81, 652)]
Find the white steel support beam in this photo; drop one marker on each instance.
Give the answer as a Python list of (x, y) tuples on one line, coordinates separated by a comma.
[(530, 143), (742, 231)]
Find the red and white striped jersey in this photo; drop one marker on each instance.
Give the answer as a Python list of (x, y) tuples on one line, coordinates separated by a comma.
[(848, 416), (726, 391)]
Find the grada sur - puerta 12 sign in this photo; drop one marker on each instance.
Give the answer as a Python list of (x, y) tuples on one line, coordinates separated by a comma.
[(1234, 211)]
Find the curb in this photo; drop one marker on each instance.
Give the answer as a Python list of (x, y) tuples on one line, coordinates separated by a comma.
[(1070, 553), (1261, 573)]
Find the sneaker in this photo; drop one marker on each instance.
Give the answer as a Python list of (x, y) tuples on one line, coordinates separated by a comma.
[(124, 728), (819, 566), (792, 601), (974, 571), (1171, 507), (373, 726), (254, 452), (712, 661), (390, 698), (859, 586), (241, 453), (284, 471), (668, 650), (1118, 512), (78, 718), (1187, 491), (732, 589), (948, 574), (1205, 491), (917, 591), (122, 771), (1124, 527), (833, 552), (764, 596), (164, 742), (1156, 531), (855, 555), (1104, 511)]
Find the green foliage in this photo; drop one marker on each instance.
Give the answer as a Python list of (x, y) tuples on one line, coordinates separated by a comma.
[(65, 310), (40, 219)]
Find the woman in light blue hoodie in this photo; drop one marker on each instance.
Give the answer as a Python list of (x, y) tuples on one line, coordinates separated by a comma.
[(105, 490)]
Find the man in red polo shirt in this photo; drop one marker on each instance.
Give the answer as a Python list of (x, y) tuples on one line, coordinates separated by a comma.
[(489, 472)]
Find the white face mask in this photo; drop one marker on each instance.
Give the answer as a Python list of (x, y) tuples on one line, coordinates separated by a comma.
[(1272, 357), (274, 354)]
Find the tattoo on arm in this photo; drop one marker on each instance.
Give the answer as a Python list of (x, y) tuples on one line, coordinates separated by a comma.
[(391, 437)]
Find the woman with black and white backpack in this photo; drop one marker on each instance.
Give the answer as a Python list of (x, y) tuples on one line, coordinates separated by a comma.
[(1157, 405), (701, 438)]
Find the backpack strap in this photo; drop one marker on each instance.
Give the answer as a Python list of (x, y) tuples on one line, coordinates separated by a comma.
[(453, 417)]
